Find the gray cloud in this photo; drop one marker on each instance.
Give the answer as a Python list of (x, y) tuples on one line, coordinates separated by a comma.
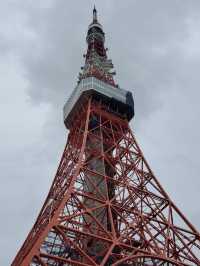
[(155, 49)]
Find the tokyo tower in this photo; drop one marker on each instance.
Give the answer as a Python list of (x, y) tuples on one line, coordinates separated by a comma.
[(105, 205)]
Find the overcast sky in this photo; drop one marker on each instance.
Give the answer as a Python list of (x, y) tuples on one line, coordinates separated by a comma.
[(155, 47)]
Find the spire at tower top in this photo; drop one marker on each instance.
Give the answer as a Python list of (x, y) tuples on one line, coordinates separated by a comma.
[(94, 14), (96, 62)]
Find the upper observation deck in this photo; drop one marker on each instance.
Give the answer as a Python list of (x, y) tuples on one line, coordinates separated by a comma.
[(120, 101)]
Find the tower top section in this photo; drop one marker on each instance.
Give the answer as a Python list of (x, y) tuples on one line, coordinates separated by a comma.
[(95, 22), (96, 79), (96, 62)]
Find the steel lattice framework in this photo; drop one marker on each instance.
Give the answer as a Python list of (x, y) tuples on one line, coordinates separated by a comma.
[(141, 219), (105, 206)]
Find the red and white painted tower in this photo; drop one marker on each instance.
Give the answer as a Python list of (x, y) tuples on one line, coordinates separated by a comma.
[(105, 206)]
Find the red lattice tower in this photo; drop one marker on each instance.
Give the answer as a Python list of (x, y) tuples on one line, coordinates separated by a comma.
[(105, 206)]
